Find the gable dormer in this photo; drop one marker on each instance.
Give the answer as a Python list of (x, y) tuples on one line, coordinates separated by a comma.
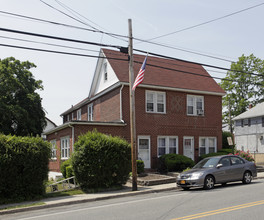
[(104, 76)]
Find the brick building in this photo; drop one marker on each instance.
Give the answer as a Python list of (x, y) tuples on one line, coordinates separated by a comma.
[(178, 109)]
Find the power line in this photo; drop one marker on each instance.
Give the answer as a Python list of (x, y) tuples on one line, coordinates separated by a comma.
[(112, 34), (60, 24), (49, 44), (202, 64), (78, 20), (207, 22), (57, 38), (59, 52), (114, 58)]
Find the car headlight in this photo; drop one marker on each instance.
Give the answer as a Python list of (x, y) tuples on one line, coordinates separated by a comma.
[(196, 175)]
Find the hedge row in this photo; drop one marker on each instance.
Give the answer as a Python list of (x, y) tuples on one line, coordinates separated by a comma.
[(23, 167)]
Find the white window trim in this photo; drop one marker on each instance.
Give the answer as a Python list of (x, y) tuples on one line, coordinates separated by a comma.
[(155, 101), (207, 144), (167, 147), (79, 114), (53, 149), (67, 139), (195, 112), (88, 112), (72, 115)]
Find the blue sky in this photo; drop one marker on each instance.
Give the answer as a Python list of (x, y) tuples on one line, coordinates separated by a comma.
[(67, 79)]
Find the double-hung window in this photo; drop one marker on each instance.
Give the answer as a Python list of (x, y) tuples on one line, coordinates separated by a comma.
[(207, 145), (53, 150), (65, 148), (195, 105), (79, 114), (155, 102), (90, 112), (167, 145)]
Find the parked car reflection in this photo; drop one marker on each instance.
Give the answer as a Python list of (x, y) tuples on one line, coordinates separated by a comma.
[(219, 169)]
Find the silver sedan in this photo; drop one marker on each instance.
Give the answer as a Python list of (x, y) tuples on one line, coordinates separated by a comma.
[(219, 169)]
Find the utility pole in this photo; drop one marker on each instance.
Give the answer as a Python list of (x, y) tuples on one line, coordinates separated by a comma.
[(132, 109)]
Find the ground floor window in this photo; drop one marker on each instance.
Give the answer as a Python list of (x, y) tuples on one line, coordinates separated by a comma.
[(65, 148), (167, 145), (53, 150), (207, 145)]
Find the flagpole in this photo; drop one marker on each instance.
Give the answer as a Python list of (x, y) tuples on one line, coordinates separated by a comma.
[(132, 109)]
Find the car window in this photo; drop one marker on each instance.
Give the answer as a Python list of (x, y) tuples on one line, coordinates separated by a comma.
[(225, 162), (207, 163), (236, 161)]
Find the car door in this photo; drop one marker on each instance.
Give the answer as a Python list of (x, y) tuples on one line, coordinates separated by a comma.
[(237, 166), (223, 173)]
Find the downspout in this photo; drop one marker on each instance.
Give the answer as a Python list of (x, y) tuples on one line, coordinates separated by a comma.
[(121, 102), (72, 137)]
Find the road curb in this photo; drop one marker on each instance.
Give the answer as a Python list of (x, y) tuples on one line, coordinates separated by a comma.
[(132, 193)]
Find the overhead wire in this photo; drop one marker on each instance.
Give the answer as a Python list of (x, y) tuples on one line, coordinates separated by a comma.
[(49, 44), (207, 22), (114, 58), (112, 34), (77, 19)]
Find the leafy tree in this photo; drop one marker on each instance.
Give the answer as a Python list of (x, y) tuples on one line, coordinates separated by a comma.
[(21, 112), (244, 85)]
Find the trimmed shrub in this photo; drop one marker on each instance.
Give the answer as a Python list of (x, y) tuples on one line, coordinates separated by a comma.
[(23, 167), (69, 172), (245, 155), (64, 166), (101, 161), (174, 163), (219, 153), (140, 166)]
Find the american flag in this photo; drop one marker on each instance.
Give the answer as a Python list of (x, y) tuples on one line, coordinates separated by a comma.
[(140, 75)]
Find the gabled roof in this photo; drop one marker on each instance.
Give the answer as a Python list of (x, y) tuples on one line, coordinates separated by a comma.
[(164, 72), (160, 73), (256, 111)]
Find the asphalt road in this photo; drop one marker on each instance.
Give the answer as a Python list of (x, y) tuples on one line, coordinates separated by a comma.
[(234, 201)]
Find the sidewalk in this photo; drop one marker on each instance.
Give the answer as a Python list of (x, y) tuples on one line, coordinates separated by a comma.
[(82, 198)]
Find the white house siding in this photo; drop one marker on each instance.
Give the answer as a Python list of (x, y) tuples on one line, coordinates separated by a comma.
[(103, 84), (250, 137)]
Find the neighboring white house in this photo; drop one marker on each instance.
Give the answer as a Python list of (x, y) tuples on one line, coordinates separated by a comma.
[(249, 130)]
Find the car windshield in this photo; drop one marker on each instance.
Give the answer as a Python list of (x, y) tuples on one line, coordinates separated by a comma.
[(207, 162)]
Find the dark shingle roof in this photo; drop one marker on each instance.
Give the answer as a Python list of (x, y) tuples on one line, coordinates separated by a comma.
[(165, 72)]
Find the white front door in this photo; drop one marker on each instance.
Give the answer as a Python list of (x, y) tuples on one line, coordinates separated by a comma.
[(144, 150), (188, 147)]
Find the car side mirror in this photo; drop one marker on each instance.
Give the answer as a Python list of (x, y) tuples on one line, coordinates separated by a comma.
[(219, 165)]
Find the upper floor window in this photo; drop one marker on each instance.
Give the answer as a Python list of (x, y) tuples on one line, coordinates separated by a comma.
[(68, 117), (195, 105), (167, 145), (155, 102), (262, 121), (65, 148), (79, 114), (247, 121), (207, 145), (72, 116), (53, 149), (105, 72), (90, 112)]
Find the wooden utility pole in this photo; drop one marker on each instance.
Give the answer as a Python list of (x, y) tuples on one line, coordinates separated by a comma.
[(132, 109), (230, 124)]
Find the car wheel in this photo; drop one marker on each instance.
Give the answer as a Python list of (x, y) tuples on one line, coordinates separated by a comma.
[(185, 188), (247, 177), (209, 182)]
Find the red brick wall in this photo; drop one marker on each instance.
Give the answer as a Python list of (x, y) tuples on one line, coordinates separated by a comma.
[(174, 123), (107, 108)]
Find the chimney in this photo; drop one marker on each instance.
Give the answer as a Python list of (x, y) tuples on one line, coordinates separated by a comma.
[(250, 106)]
